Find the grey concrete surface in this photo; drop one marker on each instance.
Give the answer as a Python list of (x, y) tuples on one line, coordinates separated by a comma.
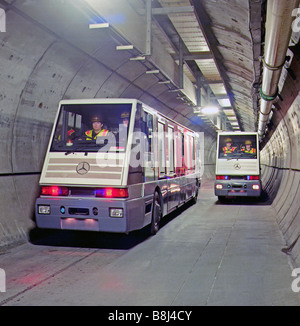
[(209, 254)]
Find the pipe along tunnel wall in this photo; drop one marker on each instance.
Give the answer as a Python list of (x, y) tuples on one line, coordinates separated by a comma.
[(38, 68)]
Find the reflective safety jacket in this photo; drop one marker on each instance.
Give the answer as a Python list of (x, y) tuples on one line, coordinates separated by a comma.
[(228, 151), (91, 133), (251, 151), (70, 132)]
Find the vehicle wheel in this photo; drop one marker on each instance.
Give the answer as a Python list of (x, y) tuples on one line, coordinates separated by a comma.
[(195, 198), (156, 214)]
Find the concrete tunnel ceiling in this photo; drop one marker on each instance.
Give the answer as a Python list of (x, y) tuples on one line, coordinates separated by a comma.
[(204, 53), (60, 57)]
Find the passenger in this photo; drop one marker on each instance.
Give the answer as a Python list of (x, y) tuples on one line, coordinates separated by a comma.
[(228, 149), (97, 129), (123, 129), (248, 147), (70, 133), (125, 118)]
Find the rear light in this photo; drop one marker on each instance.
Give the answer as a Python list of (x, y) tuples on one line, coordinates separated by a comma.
[(223, 177), (54, 191), (112, 192), (251, 177)]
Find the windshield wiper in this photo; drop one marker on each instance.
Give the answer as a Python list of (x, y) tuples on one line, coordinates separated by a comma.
[(75, 149)]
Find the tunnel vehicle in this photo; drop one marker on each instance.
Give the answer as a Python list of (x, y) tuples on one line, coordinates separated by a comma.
[(140, 167), (237, 165)]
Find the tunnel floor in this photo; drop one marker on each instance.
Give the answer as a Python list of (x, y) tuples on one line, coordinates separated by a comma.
[(206, 254)]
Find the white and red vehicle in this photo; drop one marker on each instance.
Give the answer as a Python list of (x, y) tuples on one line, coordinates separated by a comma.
[(126, 179), (237, 165)]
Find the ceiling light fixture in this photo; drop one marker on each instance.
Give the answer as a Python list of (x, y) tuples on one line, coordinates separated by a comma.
[(100, 25), (210, 109), (138, 58), (124, 47), (156, 71)]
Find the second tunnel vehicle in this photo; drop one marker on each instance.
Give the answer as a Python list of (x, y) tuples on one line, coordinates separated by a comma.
[(138, 168), (237, 165)]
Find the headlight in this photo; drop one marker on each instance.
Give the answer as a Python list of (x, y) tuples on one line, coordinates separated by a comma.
[(44, 209)]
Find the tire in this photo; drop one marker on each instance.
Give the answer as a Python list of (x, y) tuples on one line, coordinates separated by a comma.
[(156, 214), (195, 198)]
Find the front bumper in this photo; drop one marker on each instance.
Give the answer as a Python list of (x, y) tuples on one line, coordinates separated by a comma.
[(82, 214), (233, 188)]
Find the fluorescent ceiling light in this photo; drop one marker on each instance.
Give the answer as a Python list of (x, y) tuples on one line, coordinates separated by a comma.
[(124, 47), (156, 71), (100, 25), (210, 110), (138, 58)]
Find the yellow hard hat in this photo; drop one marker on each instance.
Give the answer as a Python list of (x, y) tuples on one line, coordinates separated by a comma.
[(125, 115), (248, 142), (228, 140), (96, 118)]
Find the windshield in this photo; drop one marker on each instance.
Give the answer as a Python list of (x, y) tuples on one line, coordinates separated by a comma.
[(238, 146), (92, 127)]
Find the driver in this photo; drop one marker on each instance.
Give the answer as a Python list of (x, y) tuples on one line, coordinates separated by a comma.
[(97, 130), (228, 149)]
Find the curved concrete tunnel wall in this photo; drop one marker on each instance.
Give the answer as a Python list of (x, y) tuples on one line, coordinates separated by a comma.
[(280, 160), (38, 68)]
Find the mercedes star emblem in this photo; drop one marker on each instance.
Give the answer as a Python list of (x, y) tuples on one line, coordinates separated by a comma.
[(82, 168), (237, 166)]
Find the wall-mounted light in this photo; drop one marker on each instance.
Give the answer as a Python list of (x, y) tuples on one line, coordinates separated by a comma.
[(155, 71), (100, 25), (124, 47), (138, 58)]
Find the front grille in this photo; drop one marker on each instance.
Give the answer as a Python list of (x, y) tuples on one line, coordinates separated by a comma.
[(78, 211)]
